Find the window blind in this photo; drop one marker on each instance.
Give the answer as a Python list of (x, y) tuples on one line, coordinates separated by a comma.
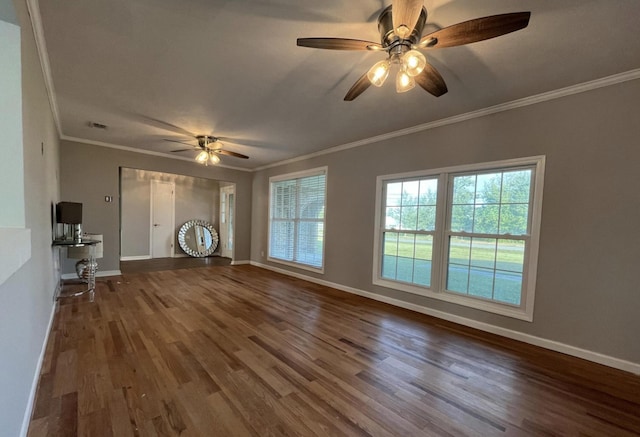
[(297, 217)]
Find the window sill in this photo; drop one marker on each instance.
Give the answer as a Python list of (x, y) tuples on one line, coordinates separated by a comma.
[(479, 304), (15, 251)]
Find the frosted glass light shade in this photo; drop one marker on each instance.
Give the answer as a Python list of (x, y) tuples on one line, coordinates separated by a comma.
[(379, 72), (414, 62), (215, 159)]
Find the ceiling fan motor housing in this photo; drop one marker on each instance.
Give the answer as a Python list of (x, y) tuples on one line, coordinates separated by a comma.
[(389, 38), (205, 140)]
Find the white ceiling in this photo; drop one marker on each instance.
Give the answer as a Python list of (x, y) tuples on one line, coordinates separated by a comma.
[(155, 69)]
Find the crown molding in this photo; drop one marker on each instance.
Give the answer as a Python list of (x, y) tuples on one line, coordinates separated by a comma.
[(144, 152), (41, 45), (527, 101)]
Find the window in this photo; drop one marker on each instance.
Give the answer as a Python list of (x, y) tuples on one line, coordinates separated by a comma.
[(467, 235), (410, 222), (297, 218), (15, 239)]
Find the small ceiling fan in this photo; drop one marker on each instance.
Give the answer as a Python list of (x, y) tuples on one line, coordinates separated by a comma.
[(400, 26), (209, 149)]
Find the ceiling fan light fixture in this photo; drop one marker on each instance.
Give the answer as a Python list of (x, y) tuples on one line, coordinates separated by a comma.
[(404, 82), (379, 72), (215, 159), (202, 157), (414, 62)]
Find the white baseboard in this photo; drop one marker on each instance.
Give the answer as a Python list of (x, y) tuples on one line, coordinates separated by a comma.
[(99, 274), (135, 258), (36, 378), (595, 357), (178, 255), (241, 263)]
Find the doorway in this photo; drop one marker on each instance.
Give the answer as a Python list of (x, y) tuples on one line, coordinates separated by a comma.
[(227, 219), (162, 219), (193, 199)]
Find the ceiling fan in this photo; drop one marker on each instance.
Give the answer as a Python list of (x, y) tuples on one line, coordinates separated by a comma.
[(400, 26), (209, 149)]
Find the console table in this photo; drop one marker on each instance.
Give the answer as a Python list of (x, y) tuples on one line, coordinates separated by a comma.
[(91, 277)]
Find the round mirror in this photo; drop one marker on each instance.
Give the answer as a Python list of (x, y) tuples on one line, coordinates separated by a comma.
[(198, 238)]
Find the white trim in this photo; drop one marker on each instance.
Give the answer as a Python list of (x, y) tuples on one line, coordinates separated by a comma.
[(43, 54), (150, 217), (15, 251), (240, 263), (527, 101), (228, 213), (595, 357), (135, 258), (99, 274), (36, 378), (144, 152)]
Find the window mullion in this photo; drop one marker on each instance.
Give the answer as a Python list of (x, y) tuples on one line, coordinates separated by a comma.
[(296, 221), (406, 231), (442, 214), (524, 237)]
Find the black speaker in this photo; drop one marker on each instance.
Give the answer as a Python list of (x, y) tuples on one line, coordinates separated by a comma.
[(69, 212)]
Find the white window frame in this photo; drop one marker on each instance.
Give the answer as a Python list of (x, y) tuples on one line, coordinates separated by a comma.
[(298, 175), (15, 238), (440, 256)]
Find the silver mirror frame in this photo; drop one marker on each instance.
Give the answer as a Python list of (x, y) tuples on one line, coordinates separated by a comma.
[(183, 243)]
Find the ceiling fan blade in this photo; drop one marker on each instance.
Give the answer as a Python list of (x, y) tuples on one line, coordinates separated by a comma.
[(431, 81), (338, 44), (405, 14), (179, 142), (229, 153), (479, 29), (183, 150), (358, 88)]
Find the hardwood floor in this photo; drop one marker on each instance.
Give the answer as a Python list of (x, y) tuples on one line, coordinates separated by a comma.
[(158, 264), (241, 351)]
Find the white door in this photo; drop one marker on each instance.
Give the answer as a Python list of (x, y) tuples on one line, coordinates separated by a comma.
[(227, 209), (162, 219)]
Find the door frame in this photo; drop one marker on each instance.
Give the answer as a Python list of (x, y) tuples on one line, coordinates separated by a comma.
[(226, 190), (154, 183)]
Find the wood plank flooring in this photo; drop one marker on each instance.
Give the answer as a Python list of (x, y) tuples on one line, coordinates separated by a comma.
[(241, 351), (158, 264)]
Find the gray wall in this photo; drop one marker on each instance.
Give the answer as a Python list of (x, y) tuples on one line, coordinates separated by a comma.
[(27, 296), (135, 204), (195, 198), (587, 292), (88, 173)]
